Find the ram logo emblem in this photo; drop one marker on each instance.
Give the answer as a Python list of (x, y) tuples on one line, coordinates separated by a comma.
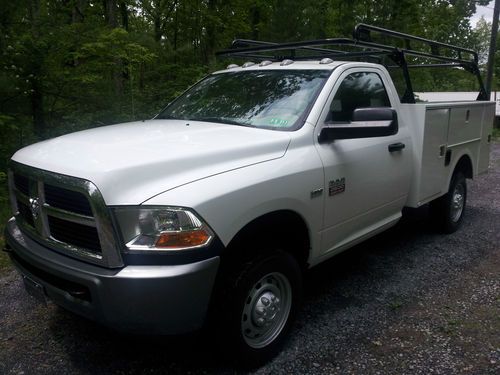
[(35, 207)]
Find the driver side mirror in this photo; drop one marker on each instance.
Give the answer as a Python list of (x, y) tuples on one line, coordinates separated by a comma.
[(366, 123)]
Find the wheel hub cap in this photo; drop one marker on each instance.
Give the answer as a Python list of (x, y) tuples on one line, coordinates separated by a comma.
[(266, 310), (457, 203)]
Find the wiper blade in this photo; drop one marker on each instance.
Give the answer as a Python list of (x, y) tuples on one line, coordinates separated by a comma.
[(221, 120)]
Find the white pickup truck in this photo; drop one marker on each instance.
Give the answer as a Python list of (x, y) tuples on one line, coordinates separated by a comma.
[(212, 210)]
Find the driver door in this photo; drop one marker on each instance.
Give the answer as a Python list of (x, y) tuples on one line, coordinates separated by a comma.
[(366, 184)]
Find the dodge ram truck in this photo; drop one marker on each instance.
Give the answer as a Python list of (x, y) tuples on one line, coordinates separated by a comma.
[(209, 213)]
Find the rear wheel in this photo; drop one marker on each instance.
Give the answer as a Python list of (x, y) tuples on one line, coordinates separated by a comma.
[(261, 299), (448, 211)]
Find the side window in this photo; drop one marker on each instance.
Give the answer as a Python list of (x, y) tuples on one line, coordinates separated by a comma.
[(357, 90)]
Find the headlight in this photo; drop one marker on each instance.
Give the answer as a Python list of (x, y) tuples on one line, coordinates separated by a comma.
[(165, 228)]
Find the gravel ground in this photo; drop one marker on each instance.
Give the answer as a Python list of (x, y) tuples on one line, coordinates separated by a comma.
[(409, 301)]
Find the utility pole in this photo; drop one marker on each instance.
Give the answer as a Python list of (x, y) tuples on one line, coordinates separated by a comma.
[(493, 45)]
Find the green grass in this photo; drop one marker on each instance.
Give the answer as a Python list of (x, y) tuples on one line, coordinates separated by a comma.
[(496, 134)]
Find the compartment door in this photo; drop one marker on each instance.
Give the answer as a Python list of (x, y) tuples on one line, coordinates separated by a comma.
[(432, 173), (486, 133)]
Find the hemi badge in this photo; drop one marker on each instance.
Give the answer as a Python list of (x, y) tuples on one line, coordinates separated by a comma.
[(316, 193)]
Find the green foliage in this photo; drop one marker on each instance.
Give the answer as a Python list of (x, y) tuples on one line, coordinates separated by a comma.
[(70, 65), (496, 134)]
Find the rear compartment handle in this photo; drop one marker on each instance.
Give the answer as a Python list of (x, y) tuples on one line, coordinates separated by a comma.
[(396, 147)]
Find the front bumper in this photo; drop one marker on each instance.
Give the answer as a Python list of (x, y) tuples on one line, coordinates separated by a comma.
[(155, 299)]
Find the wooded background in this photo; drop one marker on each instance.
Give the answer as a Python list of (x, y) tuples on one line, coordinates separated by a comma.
[(71, 64)]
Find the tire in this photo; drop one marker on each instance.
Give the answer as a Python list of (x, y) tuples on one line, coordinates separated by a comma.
[(258, 305), (448, 211)]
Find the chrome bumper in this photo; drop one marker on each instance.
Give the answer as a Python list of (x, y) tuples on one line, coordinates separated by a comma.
[(155, 299)]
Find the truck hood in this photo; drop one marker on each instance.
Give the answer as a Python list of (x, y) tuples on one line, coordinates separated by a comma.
[(134, 161)]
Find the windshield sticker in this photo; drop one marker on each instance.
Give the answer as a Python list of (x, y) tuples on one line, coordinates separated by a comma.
[(278, 122)]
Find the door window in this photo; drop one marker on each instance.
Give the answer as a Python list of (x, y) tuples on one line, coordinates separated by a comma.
[(357, 90)]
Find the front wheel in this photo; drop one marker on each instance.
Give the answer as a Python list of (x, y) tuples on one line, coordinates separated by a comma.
[(262, 300), (448, 211)]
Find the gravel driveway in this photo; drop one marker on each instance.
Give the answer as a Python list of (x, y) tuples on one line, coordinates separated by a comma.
[(409, 301)]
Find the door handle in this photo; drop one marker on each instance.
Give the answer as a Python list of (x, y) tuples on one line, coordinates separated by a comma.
[(396, 147)]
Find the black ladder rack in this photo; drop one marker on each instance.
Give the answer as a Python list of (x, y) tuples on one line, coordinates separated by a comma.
[(364, 48)]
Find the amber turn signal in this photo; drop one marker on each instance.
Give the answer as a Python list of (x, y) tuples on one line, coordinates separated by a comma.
[(183, 239)]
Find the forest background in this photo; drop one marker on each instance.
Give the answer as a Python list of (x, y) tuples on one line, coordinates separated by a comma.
[(67, 65)]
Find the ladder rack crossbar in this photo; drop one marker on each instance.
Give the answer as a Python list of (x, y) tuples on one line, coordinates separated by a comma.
[(363, 46)]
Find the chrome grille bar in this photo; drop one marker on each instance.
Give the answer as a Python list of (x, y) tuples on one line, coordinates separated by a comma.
[(69, 216)]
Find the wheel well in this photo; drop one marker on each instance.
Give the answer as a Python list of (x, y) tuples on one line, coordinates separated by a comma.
[(465, 166), (284, 230)]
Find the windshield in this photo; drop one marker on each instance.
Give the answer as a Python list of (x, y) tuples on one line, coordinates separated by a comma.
[(276, 99)]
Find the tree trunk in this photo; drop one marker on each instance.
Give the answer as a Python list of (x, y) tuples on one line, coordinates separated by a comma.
[(78, 10), (176, 30), (211, 31), (157, 27), (124, 14), (110, 13), (37, 113), (34, 14), (255, 22), (37, 109), (141, 77), (154, 9), (110, 10)]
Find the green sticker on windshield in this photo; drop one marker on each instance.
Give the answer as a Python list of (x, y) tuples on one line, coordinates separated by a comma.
[(278, 122)]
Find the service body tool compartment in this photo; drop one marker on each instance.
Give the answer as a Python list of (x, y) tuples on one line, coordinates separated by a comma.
[(469, 133), (443, 133)]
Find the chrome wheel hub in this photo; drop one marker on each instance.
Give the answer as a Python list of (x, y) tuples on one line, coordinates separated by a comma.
[(457, 202), (266, 310)]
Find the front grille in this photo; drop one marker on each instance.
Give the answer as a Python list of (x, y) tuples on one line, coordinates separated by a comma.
[(75, 234), (58, 212), (54, 201), (22, 184), (68, 200)]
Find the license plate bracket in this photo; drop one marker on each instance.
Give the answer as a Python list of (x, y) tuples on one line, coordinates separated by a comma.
[(35, 289)]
